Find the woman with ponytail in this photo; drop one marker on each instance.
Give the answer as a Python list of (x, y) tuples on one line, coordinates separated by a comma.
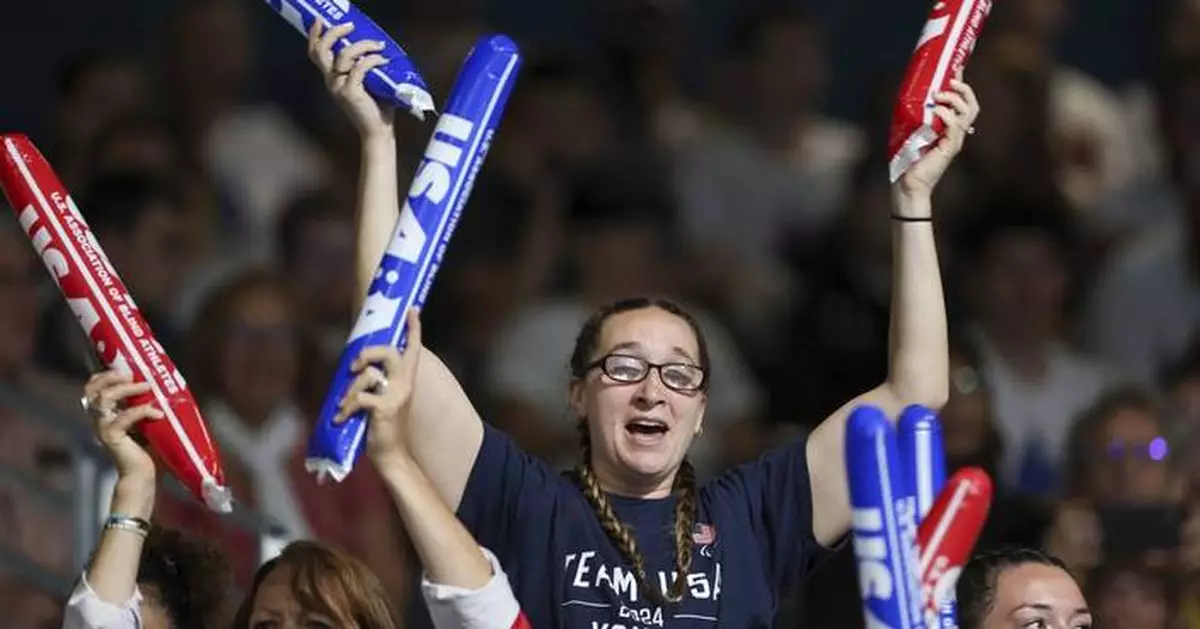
[(629, 540)]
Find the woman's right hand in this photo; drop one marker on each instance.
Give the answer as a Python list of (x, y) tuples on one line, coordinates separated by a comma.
[(105, 393), (344, 74)]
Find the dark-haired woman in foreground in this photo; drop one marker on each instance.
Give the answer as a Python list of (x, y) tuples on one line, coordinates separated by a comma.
[(630, 539), (1020, 588)]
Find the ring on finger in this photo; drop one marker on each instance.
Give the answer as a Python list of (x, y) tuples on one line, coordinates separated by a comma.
[(380, 384), (94, 409)]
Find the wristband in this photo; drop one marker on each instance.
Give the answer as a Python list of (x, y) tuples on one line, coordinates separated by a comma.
[(912, 219), (138, 526)]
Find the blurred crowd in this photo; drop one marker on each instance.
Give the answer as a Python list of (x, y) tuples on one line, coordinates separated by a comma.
[(1067, 236)]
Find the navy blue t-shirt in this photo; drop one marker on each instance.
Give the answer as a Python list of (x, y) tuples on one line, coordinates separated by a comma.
[(753, 539)]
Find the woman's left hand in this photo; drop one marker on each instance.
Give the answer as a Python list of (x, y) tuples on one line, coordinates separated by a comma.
[(958, 109), (384, 387)]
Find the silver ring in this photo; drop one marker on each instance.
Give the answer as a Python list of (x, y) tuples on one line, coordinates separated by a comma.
[(381, 384), (93, 410)]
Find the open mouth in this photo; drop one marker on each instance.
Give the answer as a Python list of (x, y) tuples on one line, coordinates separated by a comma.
[(645, 426)]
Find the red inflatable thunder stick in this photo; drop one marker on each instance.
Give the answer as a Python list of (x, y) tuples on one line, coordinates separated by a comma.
[(109, 317), (942, 51), (948, 534)]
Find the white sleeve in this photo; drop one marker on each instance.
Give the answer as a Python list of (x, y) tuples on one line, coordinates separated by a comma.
[(85, 610), (491, 607)]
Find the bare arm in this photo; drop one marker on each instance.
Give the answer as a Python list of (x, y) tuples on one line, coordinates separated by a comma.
[(110, 580), (918, 368), (445, 432), (113, 572), (918, 349), (447, 551)]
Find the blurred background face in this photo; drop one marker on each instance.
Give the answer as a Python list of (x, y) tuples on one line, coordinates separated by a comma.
[(18, 299), (1131, 459), (258, 362), (1128, 600), (786, 70), (570, 121), (1021, 287), (211, 48), (101, 93), (153, 256)]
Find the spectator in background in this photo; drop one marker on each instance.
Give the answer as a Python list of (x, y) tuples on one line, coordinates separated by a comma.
[(30, 443), (1122, 491), (146, 144), (315, 244), (243, 363), (259, 157), (94, 89), (1018, 273), (647, 49), (1146, 304), (620, 218), (774, 165), (1088, 125), (1013, 150), (138, 221)]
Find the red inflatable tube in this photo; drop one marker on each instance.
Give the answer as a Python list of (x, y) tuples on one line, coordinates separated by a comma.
[(942, 51), (111, 320), (948, 534)]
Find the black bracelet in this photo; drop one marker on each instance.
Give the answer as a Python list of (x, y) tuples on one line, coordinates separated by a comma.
[(911, 219)]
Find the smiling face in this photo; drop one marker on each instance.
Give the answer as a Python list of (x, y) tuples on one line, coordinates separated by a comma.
[(640, 431), (1037, 596)]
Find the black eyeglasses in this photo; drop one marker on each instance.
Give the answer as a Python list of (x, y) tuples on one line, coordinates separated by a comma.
[(627, 369)]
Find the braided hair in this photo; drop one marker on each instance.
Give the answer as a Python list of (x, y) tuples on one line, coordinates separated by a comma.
[(684, 487)]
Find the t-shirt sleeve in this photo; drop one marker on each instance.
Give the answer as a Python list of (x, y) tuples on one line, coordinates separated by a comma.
[(509, 496), (775, 491)]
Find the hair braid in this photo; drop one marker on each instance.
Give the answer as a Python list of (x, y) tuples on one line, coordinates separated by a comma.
[(622, 534), (685, 521)]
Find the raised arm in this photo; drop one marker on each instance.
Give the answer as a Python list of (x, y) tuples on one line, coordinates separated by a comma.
[(107, 595), (462, 586), (445, 431), (918, 353)]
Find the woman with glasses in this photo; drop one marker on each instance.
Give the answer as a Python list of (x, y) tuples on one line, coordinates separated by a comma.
[(1126, 494), (629, 539)]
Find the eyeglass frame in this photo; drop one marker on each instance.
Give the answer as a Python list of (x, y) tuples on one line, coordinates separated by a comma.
[(602, 364)]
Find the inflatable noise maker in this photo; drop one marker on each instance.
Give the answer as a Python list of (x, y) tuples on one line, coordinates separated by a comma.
[(117, 331), (942, 51), (396, 82), (435, 201), (908, 565)]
